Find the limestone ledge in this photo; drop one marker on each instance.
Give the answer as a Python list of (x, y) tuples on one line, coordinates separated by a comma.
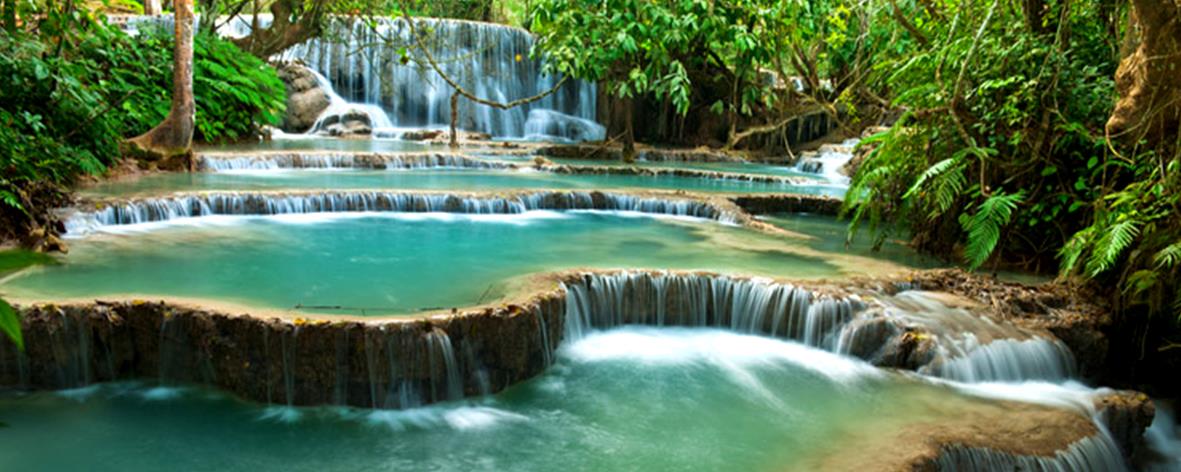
[(319, 360)]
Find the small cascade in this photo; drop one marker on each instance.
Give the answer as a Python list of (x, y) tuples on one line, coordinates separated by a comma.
[(344, 160), (287, 348), (1009, 360), (400, 392), (1092, 453), (341, 111), (828, 161), (973, 348), (1163, 438), (257, 203), (71, 348), (754, 306), (441, 355), (371, 366), (545, 124)]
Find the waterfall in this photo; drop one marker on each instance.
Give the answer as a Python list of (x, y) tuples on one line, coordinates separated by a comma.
[(1092, 453), (287, 349), (754, 306), (338, 107), (1010, 360), (343, 160), (850, 326), (491, 61), (149, 210), (828, 161), (967, 347), (362, 65), (973, 348), (441, 354), (1163, 438)]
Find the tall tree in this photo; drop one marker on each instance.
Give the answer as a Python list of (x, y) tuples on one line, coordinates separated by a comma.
[(152, 7), (173, 137), (1149, 79)]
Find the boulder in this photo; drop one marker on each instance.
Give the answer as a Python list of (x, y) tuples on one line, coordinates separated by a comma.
[(1127, 414), (306, 98)]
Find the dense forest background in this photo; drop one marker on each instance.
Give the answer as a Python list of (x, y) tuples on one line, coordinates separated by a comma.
[(1041, 135)]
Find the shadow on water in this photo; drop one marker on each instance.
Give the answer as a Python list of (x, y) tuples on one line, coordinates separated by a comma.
[(17, 259)]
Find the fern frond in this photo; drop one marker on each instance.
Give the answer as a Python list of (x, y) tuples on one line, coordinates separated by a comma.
[(935, 170), (1107, 249), (984, 226), (1073, 250), (1168, 257)]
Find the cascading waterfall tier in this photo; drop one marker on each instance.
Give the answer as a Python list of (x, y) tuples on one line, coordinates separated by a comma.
[(828, 161), (1094, 453), (885, 331), (756, 306), (222, 162), (149, 210), (872, 329), (407, 363), (491, 61)]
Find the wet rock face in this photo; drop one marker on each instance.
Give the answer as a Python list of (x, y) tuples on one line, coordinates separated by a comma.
[(352, 122), (1127, 415), (306, 99), (788, 203), (383, 365)]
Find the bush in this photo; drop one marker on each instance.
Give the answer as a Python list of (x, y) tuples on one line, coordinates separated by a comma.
[(52, 126), (65, 109), (235, 92)]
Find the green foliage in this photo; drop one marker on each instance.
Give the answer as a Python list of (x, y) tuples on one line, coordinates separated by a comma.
[(984, 226), (16, 259), (52, 126), (670, 49), (10, 324), (995, 100), (234, 92), (64, 110), (1134, 239)]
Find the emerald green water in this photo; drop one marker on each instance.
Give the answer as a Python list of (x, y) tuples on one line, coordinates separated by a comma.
[(402, 263), (830, 235), (629, 399), (463, 180)]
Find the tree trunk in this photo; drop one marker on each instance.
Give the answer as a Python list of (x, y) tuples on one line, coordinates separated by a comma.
[(629, 132), (9, 16), (173, 137), (292, 23), (1149, 79), (152, 7)]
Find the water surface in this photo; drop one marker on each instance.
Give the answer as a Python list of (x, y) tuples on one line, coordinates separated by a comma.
[(437, 179), (629, 399), (381, 263)]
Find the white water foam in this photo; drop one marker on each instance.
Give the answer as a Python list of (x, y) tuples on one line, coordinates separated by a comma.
[(736, 353)]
